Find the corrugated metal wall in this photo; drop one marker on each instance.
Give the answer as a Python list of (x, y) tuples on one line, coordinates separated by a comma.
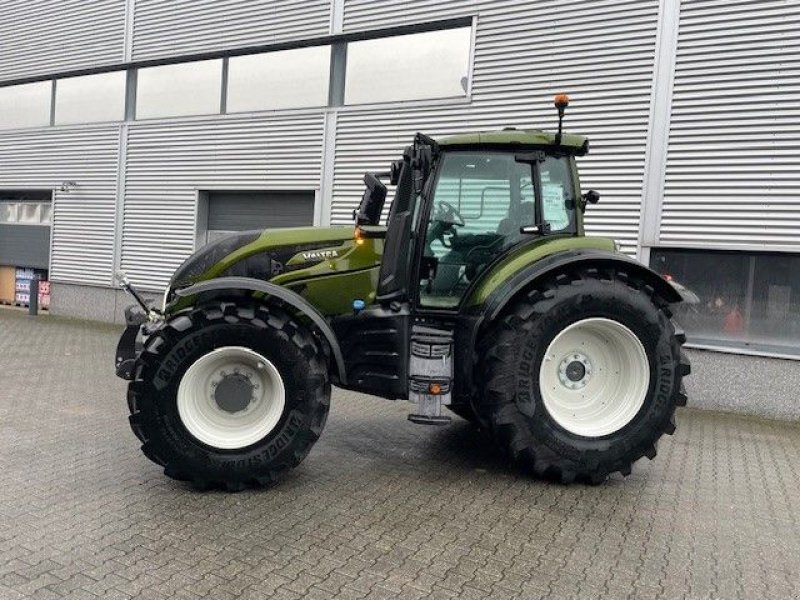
[(190, 26), (371, 14), (42, 36), (601, 52), (733, 159), (83, 219), (167, 162)]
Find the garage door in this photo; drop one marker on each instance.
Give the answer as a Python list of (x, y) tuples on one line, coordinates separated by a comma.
[(240, 211), (25, 228)]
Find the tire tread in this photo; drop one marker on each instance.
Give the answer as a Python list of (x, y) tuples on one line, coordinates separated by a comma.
[(495, 370)]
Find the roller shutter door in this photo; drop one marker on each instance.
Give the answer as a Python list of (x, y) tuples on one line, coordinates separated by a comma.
[(25, 229), (240, 211), (25, 245)]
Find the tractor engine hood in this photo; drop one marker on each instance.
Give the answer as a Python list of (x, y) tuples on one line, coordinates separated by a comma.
[(262, 254)]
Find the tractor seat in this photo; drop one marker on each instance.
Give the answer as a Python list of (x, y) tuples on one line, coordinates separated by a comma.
[(509, 226)]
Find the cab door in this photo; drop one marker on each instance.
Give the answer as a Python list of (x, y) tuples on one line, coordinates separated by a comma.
[(484, 204)]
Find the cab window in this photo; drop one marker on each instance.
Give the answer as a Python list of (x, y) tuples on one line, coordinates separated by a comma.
[(480, 202)]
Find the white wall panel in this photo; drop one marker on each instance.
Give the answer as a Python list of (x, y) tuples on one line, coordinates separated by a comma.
[(83, 219), (733, 162), (372, 14), (43, 36), (600, 52), (191, 26), (167, 162)]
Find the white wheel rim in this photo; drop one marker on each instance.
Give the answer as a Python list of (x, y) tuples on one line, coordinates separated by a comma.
[(231, 398), (594, 377)]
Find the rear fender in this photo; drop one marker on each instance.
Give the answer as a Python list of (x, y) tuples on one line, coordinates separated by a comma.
[(274, 292), (550, 265)]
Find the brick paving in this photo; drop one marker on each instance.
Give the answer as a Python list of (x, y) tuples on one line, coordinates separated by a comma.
[(380, 509)]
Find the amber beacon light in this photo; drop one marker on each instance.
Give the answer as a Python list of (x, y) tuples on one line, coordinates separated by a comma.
[(561, 102)]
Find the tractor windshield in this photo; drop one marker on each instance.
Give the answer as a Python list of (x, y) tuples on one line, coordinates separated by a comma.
[(480, 202)]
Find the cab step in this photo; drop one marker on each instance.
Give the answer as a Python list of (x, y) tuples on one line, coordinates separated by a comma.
[(430, 383), (440, 420)]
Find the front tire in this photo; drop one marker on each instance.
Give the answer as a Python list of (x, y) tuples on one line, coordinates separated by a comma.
[(582, 375), (229, 395)]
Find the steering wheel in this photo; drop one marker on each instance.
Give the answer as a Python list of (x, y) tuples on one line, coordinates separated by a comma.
[(452, 216), (446, 220)]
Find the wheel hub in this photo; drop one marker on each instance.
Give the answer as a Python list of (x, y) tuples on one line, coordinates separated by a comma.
[(594, 377), (575, 371), (231, 397), (233, 392)]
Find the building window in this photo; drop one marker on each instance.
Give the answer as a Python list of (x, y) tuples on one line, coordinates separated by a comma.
[(91, 98), (25, 207), (276, 80), (25, 213), (26, 105), (739, 299), (179, 90), (417, 66)]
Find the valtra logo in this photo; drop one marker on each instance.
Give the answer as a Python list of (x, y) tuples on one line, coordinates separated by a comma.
[(320, 254)]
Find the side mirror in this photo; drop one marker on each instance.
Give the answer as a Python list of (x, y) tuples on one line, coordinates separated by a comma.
[(369, 211), (590, 197)]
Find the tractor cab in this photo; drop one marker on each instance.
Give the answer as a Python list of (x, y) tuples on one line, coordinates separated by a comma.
[(463, 203)]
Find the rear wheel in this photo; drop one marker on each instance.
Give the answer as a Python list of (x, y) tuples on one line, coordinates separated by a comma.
[(229, 395), (582, 376)]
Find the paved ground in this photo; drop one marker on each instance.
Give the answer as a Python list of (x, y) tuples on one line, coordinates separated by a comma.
[(380, 509)]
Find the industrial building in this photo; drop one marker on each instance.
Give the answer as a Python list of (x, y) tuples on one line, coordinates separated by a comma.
[(133, 131)]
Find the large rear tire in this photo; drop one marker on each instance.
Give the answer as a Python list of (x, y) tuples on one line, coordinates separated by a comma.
[(229, 394), (582, 375)]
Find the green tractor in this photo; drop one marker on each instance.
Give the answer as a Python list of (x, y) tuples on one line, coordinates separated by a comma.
[(480, 294)]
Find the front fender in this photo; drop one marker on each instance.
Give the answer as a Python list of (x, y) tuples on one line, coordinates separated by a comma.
[(287, 296)]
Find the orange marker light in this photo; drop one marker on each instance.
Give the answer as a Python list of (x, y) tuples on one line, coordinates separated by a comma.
[(561, 100), (359, 236), (435, 389)]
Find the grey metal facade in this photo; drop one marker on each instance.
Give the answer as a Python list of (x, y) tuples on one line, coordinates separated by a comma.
[(82, 248), (691, 107), (41, 36), (733, 166)]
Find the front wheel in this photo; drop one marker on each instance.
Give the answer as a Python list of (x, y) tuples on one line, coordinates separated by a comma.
[(582, 375), (229, 395)]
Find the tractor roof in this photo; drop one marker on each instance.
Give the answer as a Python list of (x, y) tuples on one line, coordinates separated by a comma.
[(576, 144)]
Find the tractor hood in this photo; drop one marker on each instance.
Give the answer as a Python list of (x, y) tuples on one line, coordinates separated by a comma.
[(280, 255)]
